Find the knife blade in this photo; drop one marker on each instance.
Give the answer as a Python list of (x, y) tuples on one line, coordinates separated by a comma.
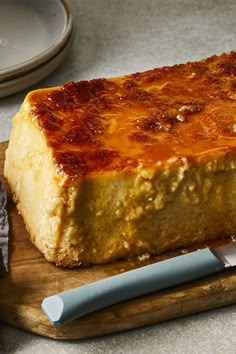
[(69, 305)]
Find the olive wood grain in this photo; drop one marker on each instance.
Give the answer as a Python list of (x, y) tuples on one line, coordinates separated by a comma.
[(31, 278)]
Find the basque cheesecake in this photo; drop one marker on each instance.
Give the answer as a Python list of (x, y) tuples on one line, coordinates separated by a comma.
[(130, 166)]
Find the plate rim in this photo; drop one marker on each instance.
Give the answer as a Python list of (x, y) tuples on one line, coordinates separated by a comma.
[(30, 78), (27, 65)]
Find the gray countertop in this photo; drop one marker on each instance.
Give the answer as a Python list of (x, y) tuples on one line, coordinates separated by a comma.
[(115, 37)]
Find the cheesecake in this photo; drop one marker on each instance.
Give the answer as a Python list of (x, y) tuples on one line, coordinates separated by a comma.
[(131, 166)]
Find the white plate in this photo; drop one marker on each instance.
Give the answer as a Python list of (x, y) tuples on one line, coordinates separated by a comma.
[(31, 32), (19, 83)]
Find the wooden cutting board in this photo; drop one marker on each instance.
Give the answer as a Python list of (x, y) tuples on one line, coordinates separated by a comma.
[(31, 278)]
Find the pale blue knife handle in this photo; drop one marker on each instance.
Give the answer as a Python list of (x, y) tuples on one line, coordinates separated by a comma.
[(69, 305)]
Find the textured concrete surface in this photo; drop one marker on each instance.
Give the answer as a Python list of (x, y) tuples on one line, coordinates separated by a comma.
[(115, 37)]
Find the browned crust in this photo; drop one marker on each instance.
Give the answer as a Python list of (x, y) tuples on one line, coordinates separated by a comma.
[(118, 124)]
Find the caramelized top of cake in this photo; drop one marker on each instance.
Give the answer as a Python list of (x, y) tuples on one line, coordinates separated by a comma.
[(185, 110)]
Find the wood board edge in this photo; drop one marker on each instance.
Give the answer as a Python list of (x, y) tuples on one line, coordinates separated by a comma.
[(209, 293)]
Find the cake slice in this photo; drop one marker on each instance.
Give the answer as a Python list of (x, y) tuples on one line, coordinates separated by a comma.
[(135, 165)]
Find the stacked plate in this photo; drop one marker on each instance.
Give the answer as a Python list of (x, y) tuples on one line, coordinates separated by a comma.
[(35, 37)]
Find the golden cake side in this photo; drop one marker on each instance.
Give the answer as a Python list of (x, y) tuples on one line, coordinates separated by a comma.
[(31, 175), (135, 165)]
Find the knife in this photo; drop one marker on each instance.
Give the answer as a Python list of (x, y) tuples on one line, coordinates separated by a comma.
[(69, 305)]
